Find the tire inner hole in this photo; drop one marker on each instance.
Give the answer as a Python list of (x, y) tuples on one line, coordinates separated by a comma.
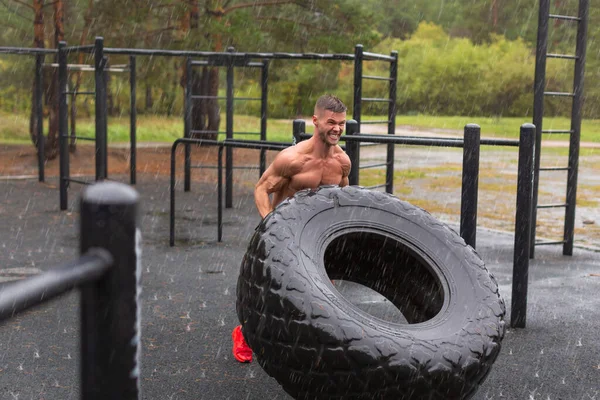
[(383, 277)]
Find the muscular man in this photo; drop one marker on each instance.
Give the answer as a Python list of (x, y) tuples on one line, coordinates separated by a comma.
[(308, 165)]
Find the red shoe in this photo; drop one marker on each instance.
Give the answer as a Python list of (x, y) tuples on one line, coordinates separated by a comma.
[(241, 351)]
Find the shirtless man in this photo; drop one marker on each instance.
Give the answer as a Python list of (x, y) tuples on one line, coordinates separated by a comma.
[(308, 165)]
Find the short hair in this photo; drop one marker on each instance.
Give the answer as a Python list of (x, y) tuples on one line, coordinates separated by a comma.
[(331, 103)]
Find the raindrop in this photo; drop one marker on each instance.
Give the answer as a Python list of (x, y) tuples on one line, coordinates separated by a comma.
[(542, 351), (36, 354), (579, 343)]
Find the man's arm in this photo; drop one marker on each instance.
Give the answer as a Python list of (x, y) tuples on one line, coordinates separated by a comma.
[(273, 180), (346, 164)]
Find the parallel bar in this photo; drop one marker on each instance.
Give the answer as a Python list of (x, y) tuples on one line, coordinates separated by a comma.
[(192, 131), (247, 98), (204, 54), (375, 56), (576, 116), (23, 50), (22, 295), (367, 166), (470, 184), (564, 17), (550, 243), (132, 121), (554, 168), (85, 138), (562, 56), (375, 100), (559, 94), (376, 78), (78, 93), (375, 186), (366, 139), (357, 98), (520, 276), (194, 97), (79, 181), (558, 205), (557, 131)]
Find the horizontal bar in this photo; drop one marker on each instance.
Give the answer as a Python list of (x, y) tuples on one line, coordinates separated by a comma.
[(559, 94), (373, 165), (552, 205), (246, 133), (564, 56), (224, 63), (23, 50), (554, 168), (208, 97), (88, 68), (242, 144), (375, 56), (76, 93), (91, 139), (369, 144), (78, 181), (247, 98), (262, 56), (376, 100), (374, 122), (556, 131), (202, 131), (377, 78), (549, 243), (417, 140), (375, 186), (24, 294), (564, 17), (205, 166)]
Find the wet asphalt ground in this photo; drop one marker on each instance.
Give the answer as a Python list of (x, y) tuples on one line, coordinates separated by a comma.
[(188, 304)]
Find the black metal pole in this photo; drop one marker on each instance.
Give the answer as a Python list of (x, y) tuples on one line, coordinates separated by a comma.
[(39, 114), (110, 316), (172, 197), (229, 134), (353, 151), (470, 184), (187, 125), (220, 195), (101, 111), (523, 220), (63, 116), (298, 128), (538, 106), (358, 72), (132, 121), (574, 142), (264, 81), (389, 171)]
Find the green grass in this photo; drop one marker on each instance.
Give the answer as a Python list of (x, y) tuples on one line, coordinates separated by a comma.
[(153, 128)]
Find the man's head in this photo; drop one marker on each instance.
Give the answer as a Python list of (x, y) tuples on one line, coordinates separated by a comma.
[(329, 119)]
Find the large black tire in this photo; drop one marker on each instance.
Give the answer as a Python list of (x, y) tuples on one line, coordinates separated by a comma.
[(318, 345)]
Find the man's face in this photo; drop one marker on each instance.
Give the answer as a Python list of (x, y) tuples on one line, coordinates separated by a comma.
[(330, 126)]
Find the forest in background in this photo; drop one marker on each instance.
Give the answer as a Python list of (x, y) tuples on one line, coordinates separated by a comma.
[(469, 57)]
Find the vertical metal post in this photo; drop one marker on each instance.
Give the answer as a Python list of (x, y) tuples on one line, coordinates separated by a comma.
[(39, 114), (538, 106), (470, 184), (389, 172), (63, 115), (172, 197), (298, 128), (220, 194), (264, 82), (132, 121), (187, 124), (110, 315), (518, 314), (101, 110), (353, 151), (229, 133), (574, 142), (358, 72)]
